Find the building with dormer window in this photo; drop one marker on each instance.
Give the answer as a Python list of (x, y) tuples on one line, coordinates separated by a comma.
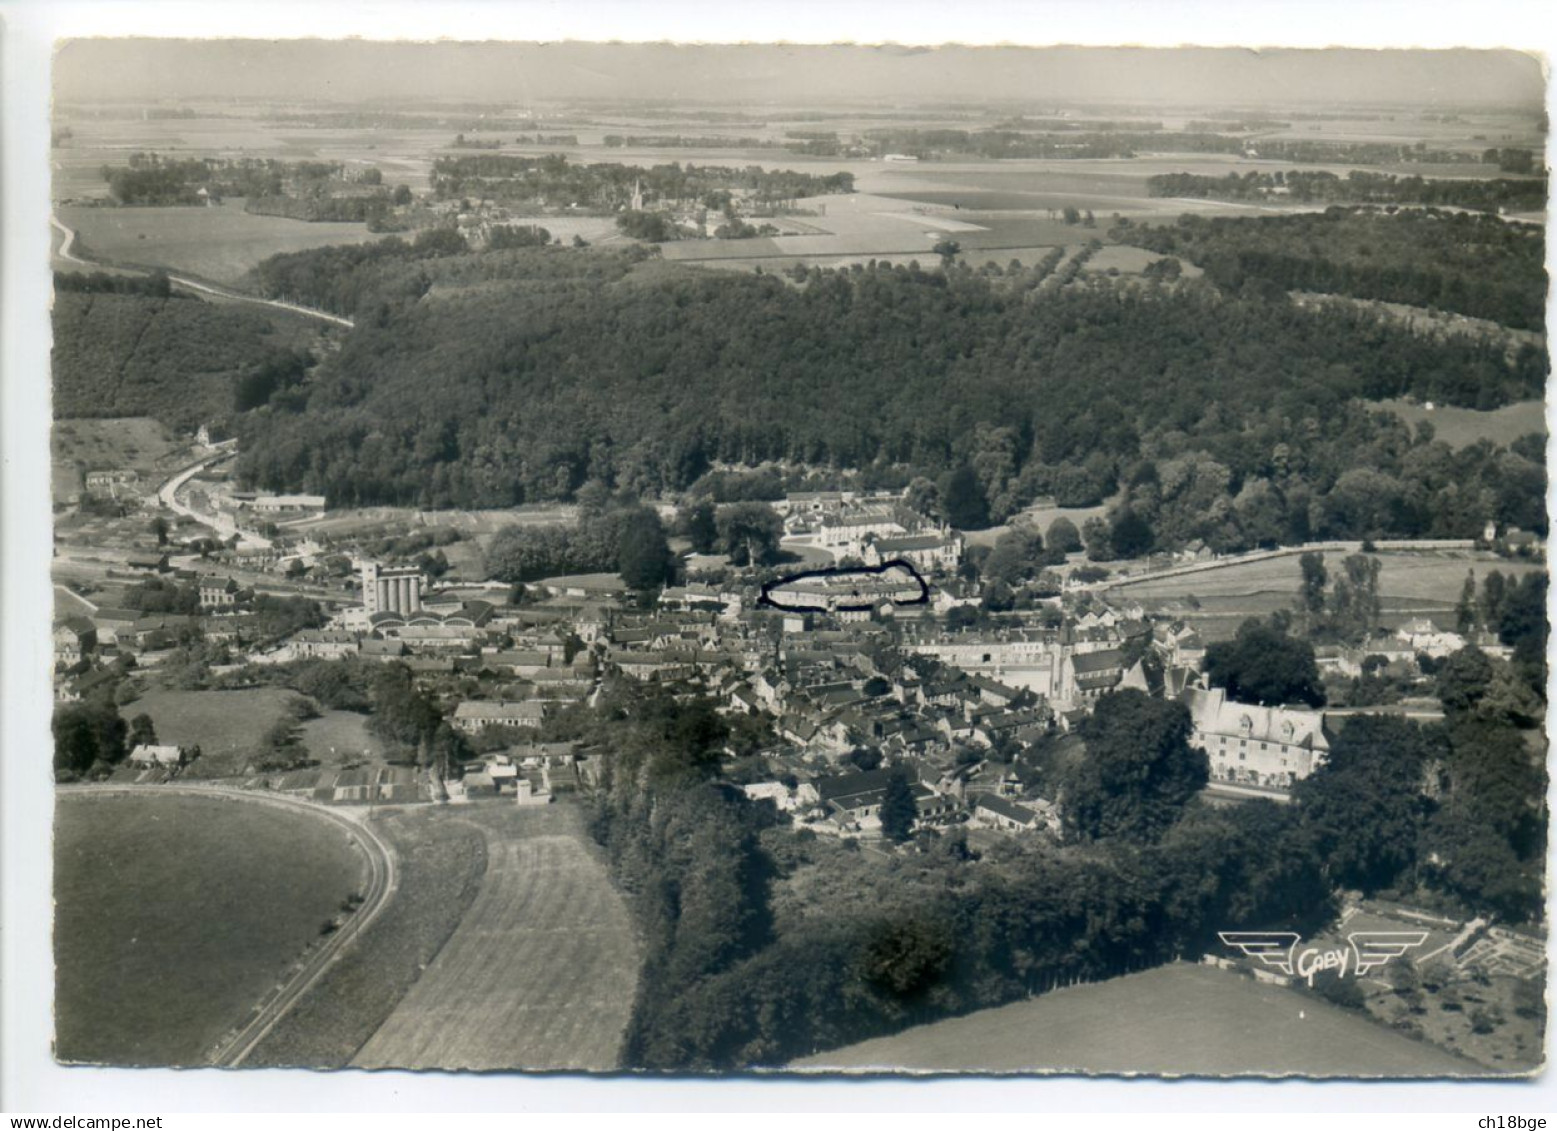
[(1262, 748)]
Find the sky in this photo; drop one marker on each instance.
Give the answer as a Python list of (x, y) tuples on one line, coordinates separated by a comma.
[(99, 70)]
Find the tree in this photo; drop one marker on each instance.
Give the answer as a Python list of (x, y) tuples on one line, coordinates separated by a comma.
[(865, 757), (159, 529), (1017, 556), (1353, 607), (1465, 609), (143, 732), (1494, 591), (1365, 804), (924, 497), (1138, 773), (898, 811), (1130, 534), (87, 734), (962, 499), (643, 556), (749, 532), (401, 196), (1262, 664), (1463, 679), (1311, 599), (1098, 536), (948, 250), (701, 526), (402, 714), (1063, 537)]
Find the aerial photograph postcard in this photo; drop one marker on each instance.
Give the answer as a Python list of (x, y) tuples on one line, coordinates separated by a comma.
[(806, 560)]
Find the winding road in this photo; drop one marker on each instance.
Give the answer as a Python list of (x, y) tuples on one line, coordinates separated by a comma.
[(67, 253), (383, 879)]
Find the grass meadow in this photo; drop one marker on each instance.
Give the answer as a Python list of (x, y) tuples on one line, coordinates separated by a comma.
[(1179, 1020), (1458, 427), (226, 725), (175, 915)]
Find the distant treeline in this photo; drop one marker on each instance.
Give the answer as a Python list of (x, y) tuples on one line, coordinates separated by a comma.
[(555, 181), (1238, 404), (682, 141), (1357, 187), (1234, 125), (152, 179), (1471, 264), (1085, 140)]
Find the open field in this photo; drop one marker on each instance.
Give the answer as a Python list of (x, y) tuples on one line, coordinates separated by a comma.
[(221, 243), (1178, 1020), (1458, 427), (226, 725), (541, 971), (340, 736), (441, 865), (176, 914)]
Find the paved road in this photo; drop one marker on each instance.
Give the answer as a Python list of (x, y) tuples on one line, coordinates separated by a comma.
[(67, 253), (167, 495)]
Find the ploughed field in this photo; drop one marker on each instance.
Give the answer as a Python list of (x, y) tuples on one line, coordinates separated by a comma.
[(176, 914), (541, 971), (1179, 1020)]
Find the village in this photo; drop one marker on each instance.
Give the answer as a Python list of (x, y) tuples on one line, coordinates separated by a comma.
[(835, 677)]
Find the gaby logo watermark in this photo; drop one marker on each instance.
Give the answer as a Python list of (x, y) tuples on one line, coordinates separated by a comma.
[(1279, 950)]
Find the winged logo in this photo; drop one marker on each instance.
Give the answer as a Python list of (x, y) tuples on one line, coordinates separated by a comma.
[(1272, 948), (1374, 948), (1279, 950)]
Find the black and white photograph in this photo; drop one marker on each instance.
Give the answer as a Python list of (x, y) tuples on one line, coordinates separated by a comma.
[(699, 560)]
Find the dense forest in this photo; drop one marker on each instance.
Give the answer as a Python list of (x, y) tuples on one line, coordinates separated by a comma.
[(765, 944), (1235, 407), (1358, 187), (121, 351), (1471, 264), (553, 180)]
